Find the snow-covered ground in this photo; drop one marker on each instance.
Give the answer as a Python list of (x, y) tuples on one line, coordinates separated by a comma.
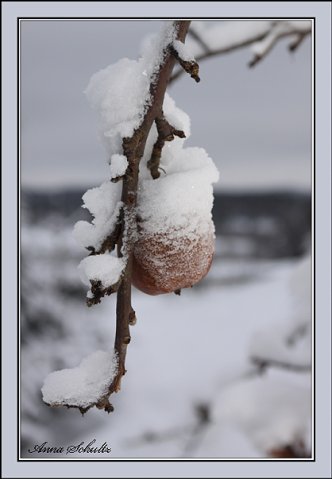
[(190, 388)]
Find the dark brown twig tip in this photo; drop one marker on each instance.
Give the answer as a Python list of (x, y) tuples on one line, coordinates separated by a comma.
[(104, 404), (254, 61), (297, 42), (194, 71), (190, 67)]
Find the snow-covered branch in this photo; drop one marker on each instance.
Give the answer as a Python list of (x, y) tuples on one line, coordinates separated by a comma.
[(186, 59), (279, 30), (129, 96), (265, 362), (205, 41)]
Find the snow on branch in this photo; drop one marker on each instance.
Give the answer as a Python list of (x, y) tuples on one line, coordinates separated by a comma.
[(280, 29), (205, 40), (186, 59), (104, 273), (118, 167), (128, 97), (85, 386)]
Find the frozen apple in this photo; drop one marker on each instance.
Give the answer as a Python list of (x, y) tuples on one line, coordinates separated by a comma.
[(163, 264), (175, 242)]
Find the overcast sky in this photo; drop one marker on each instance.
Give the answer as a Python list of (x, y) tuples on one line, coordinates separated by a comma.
[(254, 123)]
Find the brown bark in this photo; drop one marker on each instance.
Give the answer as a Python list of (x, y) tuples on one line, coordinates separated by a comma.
[(133, 149)]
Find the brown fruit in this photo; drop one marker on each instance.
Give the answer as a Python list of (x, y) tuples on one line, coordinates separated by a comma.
[(166, 262)]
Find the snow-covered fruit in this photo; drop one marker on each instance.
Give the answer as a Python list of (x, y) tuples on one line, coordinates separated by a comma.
[(175, 246), (164, 263)]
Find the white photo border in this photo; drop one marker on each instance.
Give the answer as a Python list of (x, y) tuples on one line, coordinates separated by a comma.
[(320, 466)]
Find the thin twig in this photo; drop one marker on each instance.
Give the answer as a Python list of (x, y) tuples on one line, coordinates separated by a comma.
[(209, 52), (166, 132), (297, 42), (263, 363), (220, 51), (190, 67), (278, 31)]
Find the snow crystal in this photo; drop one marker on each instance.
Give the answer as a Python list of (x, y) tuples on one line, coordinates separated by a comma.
[(101, 267), (184, 51), (119, 164), (104, 204), (83, 385)]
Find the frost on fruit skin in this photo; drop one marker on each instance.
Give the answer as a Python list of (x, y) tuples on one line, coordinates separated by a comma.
[(163, 265)]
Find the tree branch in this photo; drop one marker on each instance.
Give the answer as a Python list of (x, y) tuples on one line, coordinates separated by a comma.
[(133, 149), (190, 67), (263, 363), (124, 233), (297, 42), (166, 132), (209, 52)]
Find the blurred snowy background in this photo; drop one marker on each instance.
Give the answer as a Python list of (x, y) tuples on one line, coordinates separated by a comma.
[(224, 369)]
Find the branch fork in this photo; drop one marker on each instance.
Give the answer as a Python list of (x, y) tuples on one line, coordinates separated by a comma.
[(166, 132)]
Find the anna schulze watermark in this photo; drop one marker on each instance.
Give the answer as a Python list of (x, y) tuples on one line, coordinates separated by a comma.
[(81, 448)]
